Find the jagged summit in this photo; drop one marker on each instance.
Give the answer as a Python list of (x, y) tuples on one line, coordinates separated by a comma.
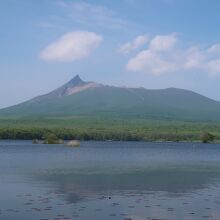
[(75, 81), (75, 85)]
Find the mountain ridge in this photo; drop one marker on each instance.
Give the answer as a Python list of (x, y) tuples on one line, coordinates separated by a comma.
[(81, 98)]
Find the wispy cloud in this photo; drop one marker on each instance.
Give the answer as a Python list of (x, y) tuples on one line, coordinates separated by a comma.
[(163, 55), (93, 15), (133, 45), (71, 46), (45, 24)]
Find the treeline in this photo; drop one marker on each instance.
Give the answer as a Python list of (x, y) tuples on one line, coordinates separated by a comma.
[(67, 134), (97, 134)]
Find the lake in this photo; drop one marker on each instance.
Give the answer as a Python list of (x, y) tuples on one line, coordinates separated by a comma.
[(109, 181)]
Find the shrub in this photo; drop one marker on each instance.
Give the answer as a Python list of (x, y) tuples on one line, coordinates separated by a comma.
[(50, 138)]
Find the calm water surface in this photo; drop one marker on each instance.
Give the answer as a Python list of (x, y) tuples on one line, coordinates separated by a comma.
[(109, 180)]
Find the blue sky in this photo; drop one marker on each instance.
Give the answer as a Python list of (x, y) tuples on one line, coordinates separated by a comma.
[(137, 43)]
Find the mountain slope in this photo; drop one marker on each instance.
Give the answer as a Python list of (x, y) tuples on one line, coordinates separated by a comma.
[(79, 98)]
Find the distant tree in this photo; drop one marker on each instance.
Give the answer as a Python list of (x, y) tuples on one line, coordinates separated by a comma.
[(207, 137)]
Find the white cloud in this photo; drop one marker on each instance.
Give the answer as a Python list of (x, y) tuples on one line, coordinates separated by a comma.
[(193, 58), (164, 56), (135, 44), (72, 46), (163, 42), (158, 58), (150, 61)]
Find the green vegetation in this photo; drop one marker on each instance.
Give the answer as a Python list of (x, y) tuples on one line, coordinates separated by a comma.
[(91, 128), (47, 138), (51, 138)]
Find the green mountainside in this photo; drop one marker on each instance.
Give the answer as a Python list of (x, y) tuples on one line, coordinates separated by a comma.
[(79, 98)]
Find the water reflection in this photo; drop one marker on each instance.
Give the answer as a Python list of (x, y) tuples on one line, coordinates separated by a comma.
[(110, 181), (173, 182)]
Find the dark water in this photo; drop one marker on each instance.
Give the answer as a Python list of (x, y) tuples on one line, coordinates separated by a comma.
[(109, 180)]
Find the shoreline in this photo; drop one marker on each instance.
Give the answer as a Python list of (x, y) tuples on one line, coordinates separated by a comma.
[(111, 141)]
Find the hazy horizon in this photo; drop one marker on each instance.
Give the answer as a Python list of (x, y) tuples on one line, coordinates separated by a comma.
[(126, 43)]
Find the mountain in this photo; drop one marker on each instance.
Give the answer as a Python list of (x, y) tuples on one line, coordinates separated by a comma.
[(80, 98), (74, 86)]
